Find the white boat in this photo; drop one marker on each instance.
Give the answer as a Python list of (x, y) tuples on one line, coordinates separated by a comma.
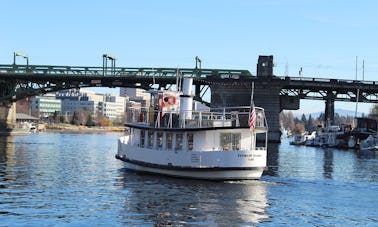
[(213, 144), (303, 139), (331, 136), (298, 139), (368, 144)]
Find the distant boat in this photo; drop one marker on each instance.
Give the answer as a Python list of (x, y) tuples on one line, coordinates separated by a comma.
[(303, 138), (363, 134), (171, 138)]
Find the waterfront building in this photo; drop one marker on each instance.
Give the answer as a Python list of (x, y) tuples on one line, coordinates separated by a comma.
[(45, 105), (74, 100), (113, 107), (110, 106), (136, 95)]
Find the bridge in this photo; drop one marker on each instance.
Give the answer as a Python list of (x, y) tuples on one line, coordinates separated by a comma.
[(226, 86)]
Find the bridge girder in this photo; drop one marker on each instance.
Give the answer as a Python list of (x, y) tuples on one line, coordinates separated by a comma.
[(350, 96), (21, 81)]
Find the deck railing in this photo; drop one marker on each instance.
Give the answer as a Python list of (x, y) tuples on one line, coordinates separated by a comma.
[(216, 117)]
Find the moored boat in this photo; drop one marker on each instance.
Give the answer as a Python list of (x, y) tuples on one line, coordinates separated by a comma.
[(171, 138)]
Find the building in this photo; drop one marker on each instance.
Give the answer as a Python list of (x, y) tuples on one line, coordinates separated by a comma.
[(110, 106), (45, 106), (136, 95), (73, 100), (113, 107)]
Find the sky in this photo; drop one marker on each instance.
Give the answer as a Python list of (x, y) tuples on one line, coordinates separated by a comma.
[(321, 36)]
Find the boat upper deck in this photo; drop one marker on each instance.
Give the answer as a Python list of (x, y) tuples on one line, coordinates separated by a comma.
[(215, 118)]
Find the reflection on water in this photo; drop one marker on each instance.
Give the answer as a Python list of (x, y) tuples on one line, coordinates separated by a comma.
[(7, 160), (321, 163), (74, 179), (169, 201)]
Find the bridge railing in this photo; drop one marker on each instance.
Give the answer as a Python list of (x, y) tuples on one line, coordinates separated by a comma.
[(327, 80), (119, 71)]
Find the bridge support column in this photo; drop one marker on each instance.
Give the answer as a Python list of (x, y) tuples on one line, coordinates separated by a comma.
[(7, 117), (266, 95), (329, 113), (7, 110)]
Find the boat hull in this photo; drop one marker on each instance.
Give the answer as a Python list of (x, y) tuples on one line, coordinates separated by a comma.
[(203, 173), (209, 165)]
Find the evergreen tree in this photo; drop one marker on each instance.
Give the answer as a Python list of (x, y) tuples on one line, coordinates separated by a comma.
[(303, 119), (75, 119), (90, 121), (309, 125)]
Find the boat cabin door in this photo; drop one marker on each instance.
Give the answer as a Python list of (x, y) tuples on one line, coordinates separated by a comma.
[(235, 118)]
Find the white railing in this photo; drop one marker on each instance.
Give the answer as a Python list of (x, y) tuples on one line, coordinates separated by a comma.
[(220, 117)]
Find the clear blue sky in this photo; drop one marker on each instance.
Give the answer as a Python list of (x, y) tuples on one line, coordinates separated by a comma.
[(321, 36)]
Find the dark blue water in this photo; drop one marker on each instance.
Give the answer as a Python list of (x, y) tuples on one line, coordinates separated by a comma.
[(74, 180)]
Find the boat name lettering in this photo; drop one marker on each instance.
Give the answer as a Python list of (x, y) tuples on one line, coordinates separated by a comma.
[(245, 155), (248, 155)]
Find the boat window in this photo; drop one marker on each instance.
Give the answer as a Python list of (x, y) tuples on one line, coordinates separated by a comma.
[(230, 141), (235, 141), (178, 141), (169, 141), (150, 139), (142, 137), (159, 140), (190, 141)]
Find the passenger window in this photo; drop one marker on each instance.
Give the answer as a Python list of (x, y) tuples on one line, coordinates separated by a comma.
[(190, 141)]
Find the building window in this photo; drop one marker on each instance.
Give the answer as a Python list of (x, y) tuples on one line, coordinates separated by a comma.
[(230, 141)]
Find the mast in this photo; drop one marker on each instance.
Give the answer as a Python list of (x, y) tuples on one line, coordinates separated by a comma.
[(357, 95)]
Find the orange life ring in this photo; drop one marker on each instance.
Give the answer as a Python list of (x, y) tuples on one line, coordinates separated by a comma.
[(171, 100)]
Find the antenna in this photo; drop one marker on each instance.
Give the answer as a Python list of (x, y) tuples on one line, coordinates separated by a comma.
[(356, 66), (287, 69)]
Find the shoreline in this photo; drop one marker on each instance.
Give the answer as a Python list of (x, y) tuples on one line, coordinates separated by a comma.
[(63, 128), (84, 129)]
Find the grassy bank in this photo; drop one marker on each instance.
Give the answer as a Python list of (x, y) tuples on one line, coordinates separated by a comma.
[(83, 129)]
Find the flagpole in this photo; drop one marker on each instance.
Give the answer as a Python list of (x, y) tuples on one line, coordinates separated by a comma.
[(253, 88), (253, 144)]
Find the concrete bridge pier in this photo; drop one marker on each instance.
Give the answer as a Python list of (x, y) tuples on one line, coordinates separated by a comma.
[(7, 117), (7, 109), (329, 112), (266, 95)]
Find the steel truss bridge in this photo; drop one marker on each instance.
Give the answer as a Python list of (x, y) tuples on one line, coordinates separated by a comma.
[(333, 89), (225, 86), (21, 81)]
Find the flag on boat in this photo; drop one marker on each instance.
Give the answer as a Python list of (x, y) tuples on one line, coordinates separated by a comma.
[(252, 118)]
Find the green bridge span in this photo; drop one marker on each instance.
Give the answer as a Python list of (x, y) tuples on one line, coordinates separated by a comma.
[(225, 86)]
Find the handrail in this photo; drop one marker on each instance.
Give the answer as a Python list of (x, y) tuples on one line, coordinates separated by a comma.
[(233, 117), (119, 71)]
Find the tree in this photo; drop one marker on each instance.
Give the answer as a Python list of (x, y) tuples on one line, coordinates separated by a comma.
[(75, 119), (298, 128), (57, 117), (310, 123), (104, 122), (287, 119), (62, 119), (90, 121), (374, 112), (303, 119)]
